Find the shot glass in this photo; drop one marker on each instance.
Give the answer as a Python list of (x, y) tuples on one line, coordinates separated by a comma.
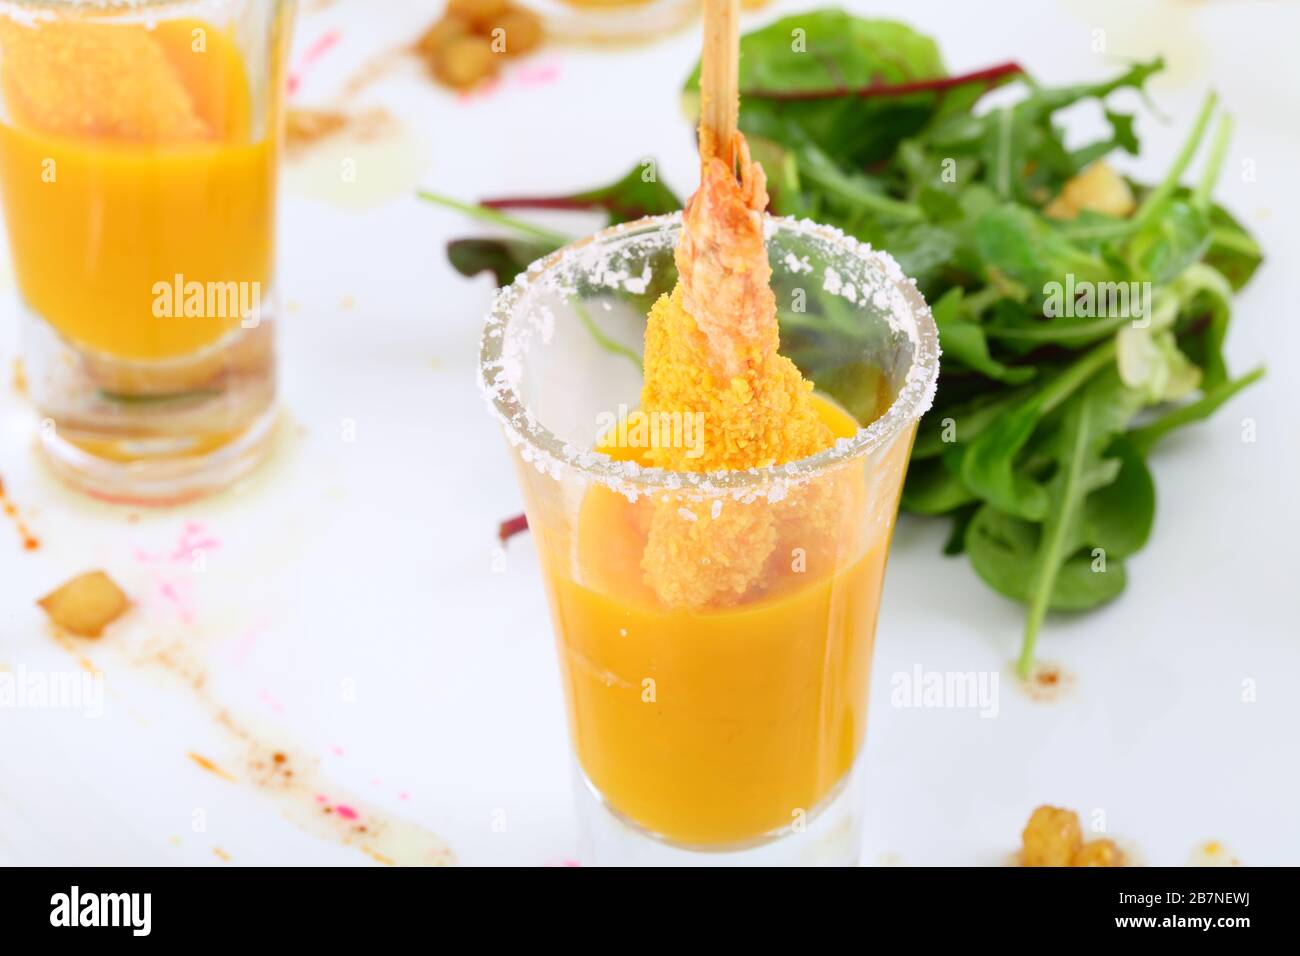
[(715, 630), (139, 146)]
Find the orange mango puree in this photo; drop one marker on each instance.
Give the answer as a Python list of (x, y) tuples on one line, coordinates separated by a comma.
[(720, 724), (128, 157)]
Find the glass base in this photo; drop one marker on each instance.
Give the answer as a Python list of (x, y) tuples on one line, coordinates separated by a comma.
[(156, 432), (831, 835), (160, 481)]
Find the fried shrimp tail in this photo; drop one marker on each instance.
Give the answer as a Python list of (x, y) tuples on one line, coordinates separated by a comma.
[(722, 260)]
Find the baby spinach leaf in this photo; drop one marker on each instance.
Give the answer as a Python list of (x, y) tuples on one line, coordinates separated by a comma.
[(808, 74), (504, 258), (1118, 517), (636, 195), (1004, 550), (1233, 251), (961, 519)]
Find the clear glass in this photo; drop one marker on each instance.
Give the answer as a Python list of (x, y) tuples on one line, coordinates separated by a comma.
[(139, 148), (712, 724)]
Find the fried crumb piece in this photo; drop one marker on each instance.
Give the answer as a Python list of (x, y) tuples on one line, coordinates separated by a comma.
[(1097, 189), (467, 44), (86, 604), (434, 40), (521, 30), (480, 13), (1051, 838), (1098, 853), (1213, 853), (465, 61)]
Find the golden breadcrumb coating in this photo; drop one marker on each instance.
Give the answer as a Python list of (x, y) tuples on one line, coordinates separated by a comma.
[(761, 416), (711, 352)]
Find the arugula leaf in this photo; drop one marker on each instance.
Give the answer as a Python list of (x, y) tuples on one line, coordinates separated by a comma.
[(1144, 438), (1092, 419), (990, 468), (990, 464), (964, 341)]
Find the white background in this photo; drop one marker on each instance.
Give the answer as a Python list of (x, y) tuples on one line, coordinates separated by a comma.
[(347, 607)]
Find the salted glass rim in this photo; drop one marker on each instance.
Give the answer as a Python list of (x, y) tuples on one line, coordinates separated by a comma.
[(550, 453)]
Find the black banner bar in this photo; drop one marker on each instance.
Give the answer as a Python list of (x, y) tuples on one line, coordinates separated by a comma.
[(244, 905)]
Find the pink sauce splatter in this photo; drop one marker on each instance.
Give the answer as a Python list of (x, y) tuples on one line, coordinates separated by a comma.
[(173, 568), (346, 812), (526, 77), (532, 77), (244, 648), (314, 52), (193, 539), (481, 92)]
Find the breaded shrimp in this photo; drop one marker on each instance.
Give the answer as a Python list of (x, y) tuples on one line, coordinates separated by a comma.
[(711, 352)]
